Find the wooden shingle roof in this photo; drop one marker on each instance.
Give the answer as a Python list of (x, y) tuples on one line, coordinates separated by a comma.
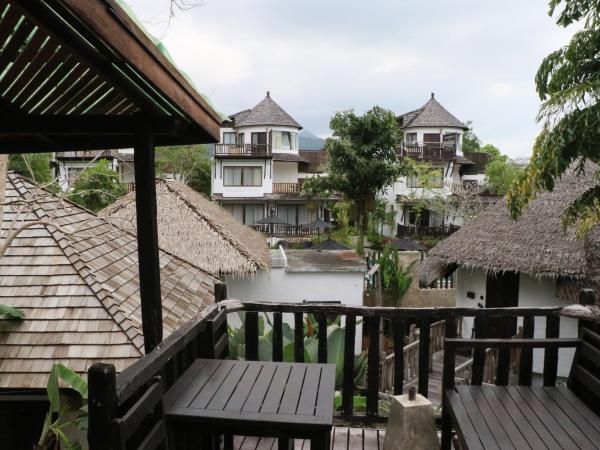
[(75, 277), (267, 112), (431, 114)]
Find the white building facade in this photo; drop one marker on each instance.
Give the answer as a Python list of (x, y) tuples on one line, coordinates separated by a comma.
[(432, 136), (257, 169)]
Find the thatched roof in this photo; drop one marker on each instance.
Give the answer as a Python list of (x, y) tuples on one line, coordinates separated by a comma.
[(535, 244), (431, 114), (267, 112), (78, 287), (197, 230)]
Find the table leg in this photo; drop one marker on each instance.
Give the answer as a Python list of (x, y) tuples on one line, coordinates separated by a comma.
[(284, 443), (320, 441)]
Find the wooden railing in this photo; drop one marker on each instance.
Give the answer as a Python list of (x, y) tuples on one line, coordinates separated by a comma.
[(130, 187), (283, 230), (442, 230), (400, 320), (88, 154), (441, 283), (428, 151), (286, 188), (242, 150), (114, 398)]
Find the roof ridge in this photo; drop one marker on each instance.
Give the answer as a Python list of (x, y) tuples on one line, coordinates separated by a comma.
[(86, 273)]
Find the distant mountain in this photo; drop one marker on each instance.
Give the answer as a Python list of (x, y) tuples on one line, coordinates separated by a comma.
[(310, 141)]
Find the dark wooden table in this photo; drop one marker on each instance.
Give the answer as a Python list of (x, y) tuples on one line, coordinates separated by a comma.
[(253, 398), (506, 417)]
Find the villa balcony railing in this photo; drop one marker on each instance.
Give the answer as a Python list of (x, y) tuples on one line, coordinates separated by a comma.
[(442, 230), (428, 151), (285, 230), (206, 336), (88, 154), (286, 188), (256, 150)]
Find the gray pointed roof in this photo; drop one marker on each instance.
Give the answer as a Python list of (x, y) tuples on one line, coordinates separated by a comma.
[(267, 112), (431, 114)]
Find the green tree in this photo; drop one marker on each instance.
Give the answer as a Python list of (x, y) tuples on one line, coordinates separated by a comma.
[(188, 163), (97, 187), (492, 150), (500, 173), (470, 141), (32, 165), (362, 158), (568, 83)]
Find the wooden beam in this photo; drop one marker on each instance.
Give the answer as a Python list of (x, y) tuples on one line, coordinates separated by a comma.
[(93, 125), (147, 235)]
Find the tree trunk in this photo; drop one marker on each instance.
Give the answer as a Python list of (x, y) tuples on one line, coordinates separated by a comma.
[(360, 213)]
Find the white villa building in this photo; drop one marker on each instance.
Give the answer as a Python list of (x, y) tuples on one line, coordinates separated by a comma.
[(432, 135), (258, 171)]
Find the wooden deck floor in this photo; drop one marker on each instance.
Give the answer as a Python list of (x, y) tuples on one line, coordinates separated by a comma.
[(341, 439)]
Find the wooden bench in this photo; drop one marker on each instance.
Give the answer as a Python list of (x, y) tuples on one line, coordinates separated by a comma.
[(526, 416)]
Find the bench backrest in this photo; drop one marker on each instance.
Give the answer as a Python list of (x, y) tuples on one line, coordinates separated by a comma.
[(216, 337), (584, 378)]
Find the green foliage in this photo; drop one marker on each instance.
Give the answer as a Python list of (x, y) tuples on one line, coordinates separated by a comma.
[(362, 158), (32, 165), (56, 422), (470, 141), (11, 313), (567, 82), (97, 187), (335, 345), (500, 173), (493, 151), (315, 188), (189, 163), (343, 232), (394, 277)]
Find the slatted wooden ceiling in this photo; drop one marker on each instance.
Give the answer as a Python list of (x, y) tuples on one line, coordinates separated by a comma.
[(73, 59)]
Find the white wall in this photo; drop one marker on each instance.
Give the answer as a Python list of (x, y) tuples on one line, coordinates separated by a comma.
[(241, 191), (285, 172), (431, 130), (262, 129), (532, 293), (292, 287)]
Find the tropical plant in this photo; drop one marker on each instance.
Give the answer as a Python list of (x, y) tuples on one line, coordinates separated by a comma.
[(187, 163), (97, 187), (335, 344), (11, 313), (343, 231), (394, 277), (470, 141), (32, 165), (568, 83), (58, 418)]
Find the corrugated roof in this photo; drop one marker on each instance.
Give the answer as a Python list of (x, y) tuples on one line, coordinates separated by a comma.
[(267, 112), (78, 287), (431, 114)]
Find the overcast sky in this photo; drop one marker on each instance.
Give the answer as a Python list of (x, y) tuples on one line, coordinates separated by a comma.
[(320, 56)]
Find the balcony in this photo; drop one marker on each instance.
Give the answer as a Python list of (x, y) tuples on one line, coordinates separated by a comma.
[(243, 150), (286, 188), (88, 154), (435, 152)]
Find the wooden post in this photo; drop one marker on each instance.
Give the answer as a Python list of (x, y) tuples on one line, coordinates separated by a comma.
[(399, 330), (251, 335), (102, 405), (322, 335), (526, 362), (551, 354), (348, 387), (147, 234), (277, 336), (373, 367), (424, 339), (220, 291), (298, 337)]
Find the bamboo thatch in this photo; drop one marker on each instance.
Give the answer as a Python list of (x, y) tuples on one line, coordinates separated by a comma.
[(535, 244), (197, 230)]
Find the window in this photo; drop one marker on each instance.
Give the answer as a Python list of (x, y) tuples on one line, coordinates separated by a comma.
[(259, 138), (242, 176), (246, 214), (287, 213), (432, 179), (410, 138), (229, 138), (284, 140), (240, 139)]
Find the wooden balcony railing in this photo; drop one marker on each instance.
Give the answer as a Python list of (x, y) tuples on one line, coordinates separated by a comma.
[(243, 150), (283, 230), (428, 151), (409, 230), (286, 188), (88, 154), (112, 397)]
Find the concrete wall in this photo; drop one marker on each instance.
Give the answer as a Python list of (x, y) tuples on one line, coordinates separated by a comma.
[(533, 292), (416, 296), (241, 191), (285, 172)]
